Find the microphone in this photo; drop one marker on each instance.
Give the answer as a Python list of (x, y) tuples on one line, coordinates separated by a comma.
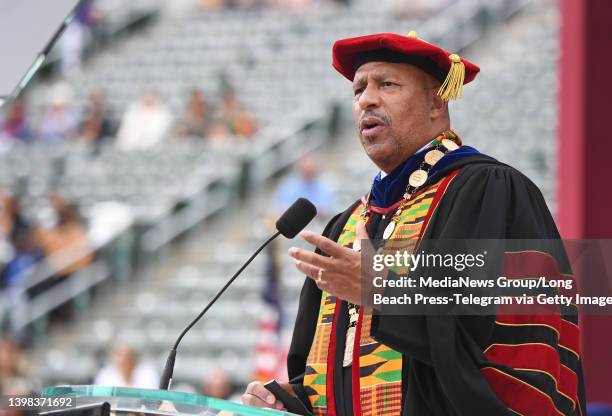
[(293, 220), (296, 218)]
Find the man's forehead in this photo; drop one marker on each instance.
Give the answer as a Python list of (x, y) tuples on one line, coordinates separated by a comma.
[(382, 68)]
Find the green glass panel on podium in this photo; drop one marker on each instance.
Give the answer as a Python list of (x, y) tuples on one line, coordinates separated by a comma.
[(135, 401)]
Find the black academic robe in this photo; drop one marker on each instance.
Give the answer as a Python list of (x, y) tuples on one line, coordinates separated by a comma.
[(443, 355)]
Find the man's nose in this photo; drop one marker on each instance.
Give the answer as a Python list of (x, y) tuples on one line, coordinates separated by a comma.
[(369, 98)]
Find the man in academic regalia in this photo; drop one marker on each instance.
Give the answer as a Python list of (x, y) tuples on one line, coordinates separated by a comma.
[(348, 359)]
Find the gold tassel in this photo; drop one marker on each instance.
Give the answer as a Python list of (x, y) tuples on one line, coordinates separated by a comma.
[(412, 34), (451, 88)]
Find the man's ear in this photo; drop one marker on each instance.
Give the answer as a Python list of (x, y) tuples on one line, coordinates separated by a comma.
[(438, 107)]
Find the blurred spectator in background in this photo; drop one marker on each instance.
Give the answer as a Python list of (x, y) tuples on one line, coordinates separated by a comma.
[(291, 4), (237, 120), (197, 118), (15, 125), (145, 124), (269, 350), (125, 371), (210, 4), (75, 38), (218, 133), (26, 255), (16, 275), (217, 384), (14, 369), (230, 4), (12, 224), (65, 244), (96, 126), (11, 220), (18, 256), (59, 123), (307, 184)]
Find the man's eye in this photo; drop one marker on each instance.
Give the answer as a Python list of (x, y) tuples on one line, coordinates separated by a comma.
[(388, 84), (357, 91)]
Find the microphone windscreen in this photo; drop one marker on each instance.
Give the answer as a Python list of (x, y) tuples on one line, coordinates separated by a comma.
[(296, 217)]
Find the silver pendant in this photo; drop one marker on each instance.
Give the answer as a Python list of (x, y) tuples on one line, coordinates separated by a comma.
[(348, 347), (389, 230), (357, 244)]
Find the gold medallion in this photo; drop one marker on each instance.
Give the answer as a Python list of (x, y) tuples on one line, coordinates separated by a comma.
[(417, 178), (449, 144), (389, 230), (433, 156)]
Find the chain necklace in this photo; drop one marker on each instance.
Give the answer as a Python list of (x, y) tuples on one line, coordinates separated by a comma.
[(442, 144)]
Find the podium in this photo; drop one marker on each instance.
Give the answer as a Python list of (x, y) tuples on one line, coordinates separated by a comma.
[(134, 401)]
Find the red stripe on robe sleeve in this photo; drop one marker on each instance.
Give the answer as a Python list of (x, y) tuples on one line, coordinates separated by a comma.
[(570, 337), (538, 357), (518, 395), (567, 332), (549, 320)]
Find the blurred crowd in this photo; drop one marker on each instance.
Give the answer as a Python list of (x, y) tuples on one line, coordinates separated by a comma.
[(124, 368), (121, 368), (37, 255), (15, 373), (146, 123)]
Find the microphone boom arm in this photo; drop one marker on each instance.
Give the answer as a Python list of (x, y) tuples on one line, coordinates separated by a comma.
[(164, 382)]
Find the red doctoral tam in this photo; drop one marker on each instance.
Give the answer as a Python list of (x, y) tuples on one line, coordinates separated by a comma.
[(449, 68)]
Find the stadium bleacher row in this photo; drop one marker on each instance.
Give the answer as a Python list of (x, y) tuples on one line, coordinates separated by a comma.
[(148, 181)]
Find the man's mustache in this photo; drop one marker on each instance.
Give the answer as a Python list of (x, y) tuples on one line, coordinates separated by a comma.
[(385, 119)]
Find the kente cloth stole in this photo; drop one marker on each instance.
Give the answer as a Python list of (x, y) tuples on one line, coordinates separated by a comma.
[(376, 368)]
